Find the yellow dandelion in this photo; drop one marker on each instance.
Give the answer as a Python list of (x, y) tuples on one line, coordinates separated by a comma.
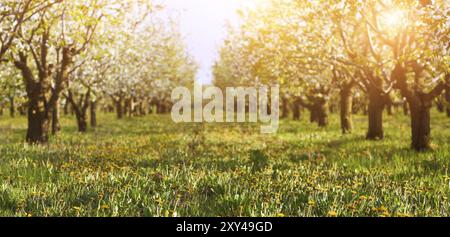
[(332, 214)]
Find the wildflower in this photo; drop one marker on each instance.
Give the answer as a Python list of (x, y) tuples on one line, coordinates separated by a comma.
[(383, 209), (332, 214)]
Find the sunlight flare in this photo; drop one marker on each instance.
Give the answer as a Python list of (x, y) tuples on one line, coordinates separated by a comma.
[(393, 19)]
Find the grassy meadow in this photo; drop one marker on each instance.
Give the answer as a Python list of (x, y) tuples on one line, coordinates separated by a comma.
[(150, 166)]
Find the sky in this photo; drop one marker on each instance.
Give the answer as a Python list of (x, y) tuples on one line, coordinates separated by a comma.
[(203, 25)]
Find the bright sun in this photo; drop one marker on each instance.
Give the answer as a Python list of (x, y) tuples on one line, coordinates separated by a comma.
[(393, 19)]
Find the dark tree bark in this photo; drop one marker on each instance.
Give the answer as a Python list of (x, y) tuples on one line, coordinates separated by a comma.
[(56, 127), (128, 107), (346, 109), (157, 106), (322, 114), (38, 123), (42, 98), (119, 108), (161, 107), (296, 110), (318, 105), (12, 107), (375, 110), (80, 109), (318, 111), (420, 126), (313, 115), (420, 104), (284, 108), (82, 123), (109, 109), (93, 110), (38, 112), (66, 107), (440, 104)]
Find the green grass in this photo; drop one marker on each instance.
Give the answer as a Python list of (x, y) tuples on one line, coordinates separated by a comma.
[(152, 167)]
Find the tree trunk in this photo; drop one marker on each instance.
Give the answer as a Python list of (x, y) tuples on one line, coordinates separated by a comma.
[(346, 110), (440, 104), (322, 114), (119, 109), (80, 108), (128, 107), (313, 117), (66, 107), (56, 127), (38, 123), (284, 108), (162, 108), (93, 110), (12, 107), (375, 112), (319, 112), (72, 110), (420, 126), (38, 109), (296, 110), (420, 105), (82, 122)]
